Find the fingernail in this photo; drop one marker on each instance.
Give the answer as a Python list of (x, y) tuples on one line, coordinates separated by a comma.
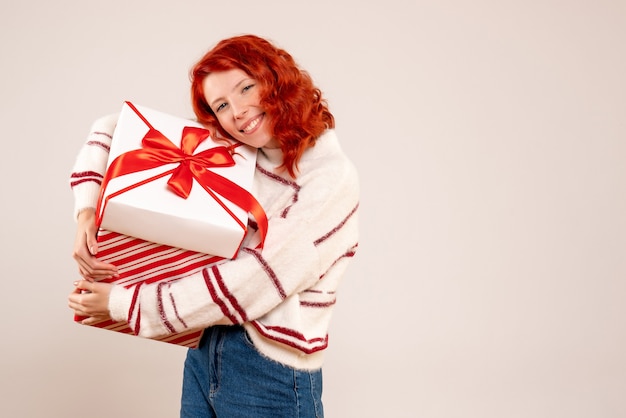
[(92, 250), (75, 283)]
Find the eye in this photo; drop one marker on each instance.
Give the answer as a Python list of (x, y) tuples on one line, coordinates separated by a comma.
[(220, 107), (246, 88)]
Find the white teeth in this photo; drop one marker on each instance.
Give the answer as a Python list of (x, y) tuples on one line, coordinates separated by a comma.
[(251, 125)]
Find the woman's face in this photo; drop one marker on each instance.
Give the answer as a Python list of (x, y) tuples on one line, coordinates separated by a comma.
[(234, 98)]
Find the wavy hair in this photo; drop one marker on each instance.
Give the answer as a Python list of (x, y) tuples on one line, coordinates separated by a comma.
[(298, 114)]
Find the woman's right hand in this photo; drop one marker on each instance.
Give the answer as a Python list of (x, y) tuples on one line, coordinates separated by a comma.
[(86, 249)]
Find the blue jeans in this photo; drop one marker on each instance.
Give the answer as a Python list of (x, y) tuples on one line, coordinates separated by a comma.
[(226, 377)]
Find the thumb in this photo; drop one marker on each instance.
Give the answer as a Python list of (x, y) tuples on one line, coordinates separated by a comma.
[(92, 240)]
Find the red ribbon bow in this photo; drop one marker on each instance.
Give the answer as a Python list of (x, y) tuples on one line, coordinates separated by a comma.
[(157, 150)]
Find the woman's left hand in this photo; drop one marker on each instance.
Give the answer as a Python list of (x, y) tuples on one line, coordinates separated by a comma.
[(91, 300)]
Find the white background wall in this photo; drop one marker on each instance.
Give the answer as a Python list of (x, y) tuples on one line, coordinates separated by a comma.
[(490, 139)]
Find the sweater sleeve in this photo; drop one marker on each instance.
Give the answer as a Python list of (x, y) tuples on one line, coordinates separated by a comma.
[(308, 234), (90, 164)]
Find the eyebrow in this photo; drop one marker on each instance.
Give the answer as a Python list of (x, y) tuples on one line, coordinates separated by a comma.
[(235, 87)]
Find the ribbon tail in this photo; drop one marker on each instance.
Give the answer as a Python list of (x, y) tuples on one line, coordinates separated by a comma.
[(236, 194), (181, 181)]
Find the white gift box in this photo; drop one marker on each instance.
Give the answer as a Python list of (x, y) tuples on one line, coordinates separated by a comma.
[(140, 204)]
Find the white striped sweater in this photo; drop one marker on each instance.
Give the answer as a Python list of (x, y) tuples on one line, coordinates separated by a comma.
[(283, 294)]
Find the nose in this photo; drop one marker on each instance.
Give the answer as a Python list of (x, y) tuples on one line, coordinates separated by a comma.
[(239, 109)]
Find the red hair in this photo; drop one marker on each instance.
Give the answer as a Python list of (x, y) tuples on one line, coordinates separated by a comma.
[(298, 112)]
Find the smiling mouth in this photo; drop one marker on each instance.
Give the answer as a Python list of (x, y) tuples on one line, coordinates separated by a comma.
[(253, 124)]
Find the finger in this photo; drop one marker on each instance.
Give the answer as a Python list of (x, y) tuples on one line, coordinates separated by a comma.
[(96, 269), (103, 269), (88, 321), (78, 311), (88, 276), (98, 276), (90, 263), (75, 305), (84, 272), (84, 266), (80, 299), (81, 252), (92, 320), (92, 241)]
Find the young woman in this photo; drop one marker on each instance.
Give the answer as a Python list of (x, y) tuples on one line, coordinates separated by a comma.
[(266, 330)]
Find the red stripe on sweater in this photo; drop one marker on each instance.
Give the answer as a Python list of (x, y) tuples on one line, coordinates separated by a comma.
[(131, 309), (137, 323), (81, 174), (292, 333), (77, 182), (80, 177), (310, 346), (318, 304), (268, 270), (319, 292), (102, 133), (99, 144), (161, 308), (231, 298), (133, 302), (295, 186), (173, 302), (216, 299), (337, 228), (348, 254)]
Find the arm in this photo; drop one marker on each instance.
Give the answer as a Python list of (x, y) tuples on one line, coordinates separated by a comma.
[(85, 180)]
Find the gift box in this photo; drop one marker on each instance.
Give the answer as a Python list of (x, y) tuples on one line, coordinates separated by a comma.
[(172, 202), (169, 182), (140, 261)]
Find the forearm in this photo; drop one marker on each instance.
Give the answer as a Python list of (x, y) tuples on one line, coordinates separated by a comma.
[(233, 291), (90, 164)]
